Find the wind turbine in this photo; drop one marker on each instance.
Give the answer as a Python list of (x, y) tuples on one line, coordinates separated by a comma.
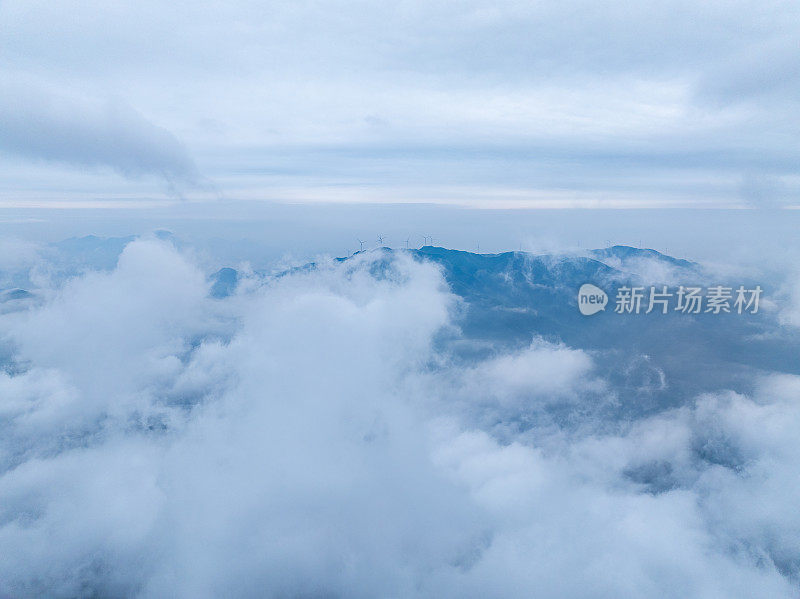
[(407, 240), (380, 240), (361, 243)]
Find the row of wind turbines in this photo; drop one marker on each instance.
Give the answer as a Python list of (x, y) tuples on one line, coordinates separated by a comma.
[(381, 241)]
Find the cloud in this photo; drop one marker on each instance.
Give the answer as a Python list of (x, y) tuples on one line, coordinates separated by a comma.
[(298, 439), (790, 312), (652, 102), (18, 254), (48, 125)]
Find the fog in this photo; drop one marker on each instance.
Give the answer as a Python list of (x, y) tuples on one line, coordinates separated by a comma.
[(312, 436)]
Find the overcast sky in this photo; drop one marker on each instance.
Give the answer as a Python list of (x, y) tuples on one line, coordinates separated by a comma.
[(490, 104)]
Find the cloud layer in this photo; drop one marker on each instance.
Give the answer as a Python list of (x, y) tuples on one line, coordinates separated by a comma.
[(307, 437), (640, 103)]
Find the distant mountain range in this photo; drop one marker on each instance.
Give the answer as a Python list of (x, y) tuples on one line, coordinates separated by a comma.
[(653, 360)]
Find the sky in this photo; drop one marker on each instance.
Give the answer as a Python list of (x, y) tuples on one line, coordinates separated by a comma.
[(501, 104)]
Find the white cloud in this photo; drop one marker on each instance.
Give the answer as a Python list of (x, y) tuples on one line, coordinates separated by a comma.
[(18, 254), (790, 314), (294, 439)]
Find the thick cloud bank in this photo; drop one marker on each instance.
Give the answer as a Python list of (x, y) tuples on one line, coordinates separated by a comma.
[(310, 437)]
